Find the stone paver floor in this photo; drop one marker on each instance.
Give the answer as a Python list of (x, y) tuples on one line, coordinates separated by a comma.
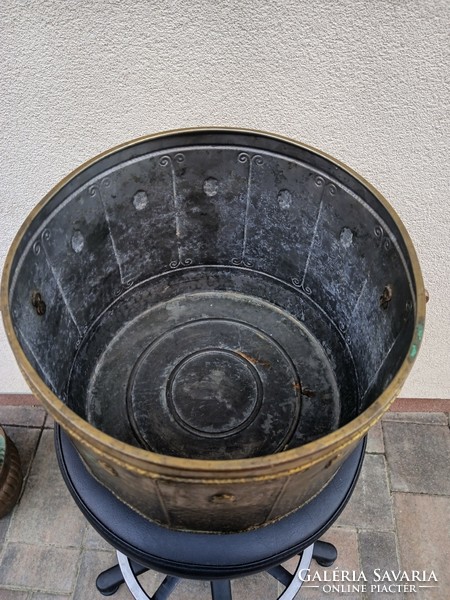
[(397, 522)]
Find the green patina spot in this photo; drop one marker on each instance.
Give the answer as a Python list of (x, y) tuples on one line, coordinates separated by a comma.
[(415, 346), (420, 331), (413, 351), (2, 449)]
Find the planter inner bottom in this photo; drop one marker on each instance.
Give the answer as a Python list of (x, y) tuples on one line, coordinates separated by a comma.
[(181, 367)]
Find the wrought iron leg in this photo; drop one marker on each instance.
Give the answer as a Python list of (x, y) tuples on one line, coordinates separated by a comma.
[(109, 581), (221, 589)]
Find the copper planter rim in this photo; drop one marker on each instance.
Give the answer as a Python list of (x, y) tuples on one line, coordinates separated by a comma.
[(147, 462)]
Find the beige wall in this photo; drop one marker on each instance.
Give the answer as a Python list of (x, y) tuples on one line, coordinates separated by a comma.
[(367, 81)]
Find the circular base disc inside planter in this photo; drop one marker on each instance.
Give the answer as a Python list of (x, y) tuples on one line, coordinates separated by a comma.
[(210, 375)]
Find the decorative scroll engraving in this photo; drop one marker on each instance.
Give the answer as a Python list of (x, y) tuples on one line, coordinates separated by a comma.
[(255, 159), (174, 264), (242, 262), (381, 235), (168, 161), (300, 283), (327, 188), (342, 326), (125, 286)]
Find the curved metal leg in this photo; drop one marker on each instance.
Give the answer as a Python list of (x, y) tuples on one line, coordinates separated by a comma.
[(299, 575), (136, 590), (109, 581)]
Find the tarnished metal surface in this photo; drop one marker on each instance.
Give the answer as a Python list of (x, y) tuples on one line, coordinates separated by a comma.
[(216, 317)]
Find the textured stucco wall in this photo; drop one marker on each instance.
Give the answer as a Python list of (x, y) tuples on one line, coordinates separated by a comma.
[(367, 81)]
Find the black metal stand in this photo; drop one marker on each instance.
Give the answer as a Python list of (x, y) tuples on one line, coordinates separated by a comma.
[(142, 545), (109, 581)]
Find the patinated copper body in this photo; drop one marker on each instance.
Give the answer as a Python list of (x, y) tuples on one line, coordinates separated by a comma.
[(216, 317)]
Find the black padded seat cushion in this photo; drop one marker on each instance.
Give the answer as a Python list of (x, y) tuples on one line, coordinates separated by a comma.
[(204, 555)]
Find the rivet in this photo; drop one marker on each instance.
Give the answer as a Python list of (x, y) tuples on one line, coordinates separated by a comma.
[(77, 241), (222, 498), (210, 186), (284, 199), (38, 303), (140, 200), (386, 297), (108, 468)]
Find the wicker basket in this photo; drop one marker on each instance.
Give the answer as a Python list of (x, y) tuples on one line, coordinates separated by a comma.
[(10, 474)]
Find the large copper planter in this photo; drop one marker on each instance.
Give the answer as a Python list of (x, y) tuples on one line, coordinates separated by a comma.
[(216, 317)]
